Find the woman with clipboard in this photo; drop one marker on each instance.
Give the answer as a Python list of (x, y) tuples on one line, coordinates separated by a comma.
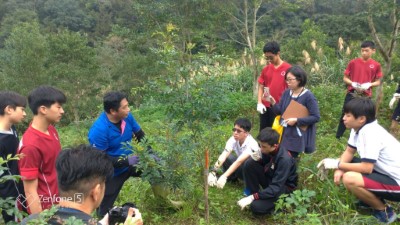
[(299, 110)]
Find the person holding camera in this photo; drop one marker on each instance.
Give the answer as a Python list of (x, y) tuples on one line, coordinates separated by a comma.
[(82, 173)]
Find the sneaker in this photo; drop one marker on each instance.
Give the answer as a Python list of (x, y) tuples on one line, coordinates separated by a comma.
[(246, 192), (386, 216)]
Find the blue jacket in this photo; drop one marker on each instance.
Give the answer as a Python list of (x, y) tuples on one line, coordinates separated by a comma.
[(105, 136)]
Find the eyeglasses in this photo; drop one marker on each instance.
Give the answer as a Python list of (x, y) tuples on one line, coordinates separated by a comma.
[(269, 57), (237, 130), (290, 79)]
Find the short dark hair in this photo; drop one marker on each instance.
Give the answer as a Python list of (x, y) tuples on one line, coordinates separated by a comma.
[(45, 96), (361, 106), (243, 123), (272, 47), (299, 74), (80, 168), (368, 44), (269, 136), (112, 100), (12, 99)]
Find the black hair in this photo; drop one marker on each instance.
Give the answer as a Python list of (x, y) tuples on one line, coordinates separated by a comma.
[(45, 96), (269, 136), (80, 168), (368, 44), (243, 123), (112, 100), (361, 106), (12, 99), (299, 74), (272, 47)]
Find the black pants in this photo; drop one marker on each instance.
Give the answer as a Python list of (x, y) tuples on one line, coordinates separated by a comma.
[(113, 187), (238, 174), (341, 127), (267, 119), (256, 177)]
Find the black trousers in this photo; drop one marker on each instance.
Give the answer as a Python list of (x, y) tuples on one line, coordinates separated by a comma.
[(238, 174), (113, 187), (256, 177), (267, 119), (341, 127)]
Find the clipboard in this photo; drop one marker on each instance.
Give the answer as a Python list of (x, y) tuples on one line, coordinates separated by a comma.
[(296, 110)]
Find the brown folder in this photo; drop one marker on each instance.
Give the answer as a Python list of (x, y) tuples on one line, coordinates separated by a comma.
[(296, 110)]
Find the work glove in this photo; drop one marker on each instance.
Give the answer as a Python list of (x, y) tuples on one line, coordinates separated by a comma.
[(212, 179), (261, 108), (245, 201), (221, 181), (355, 85), (365, 86), (329, 163), (393, 100), (133, 160), (255, 154)]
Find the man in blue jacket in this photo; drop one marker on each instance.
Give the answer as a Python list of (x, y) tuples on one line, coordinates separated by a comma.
[(112, 132), (275, 172)]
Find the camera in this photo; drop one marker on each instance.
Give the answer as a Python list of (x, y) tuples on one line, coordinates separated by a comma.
[(118, 215)]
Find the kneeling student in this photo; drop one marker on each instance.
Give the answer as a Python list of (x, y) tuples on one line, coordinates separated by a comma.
[(374, 176), (275, 172), (243, 145)]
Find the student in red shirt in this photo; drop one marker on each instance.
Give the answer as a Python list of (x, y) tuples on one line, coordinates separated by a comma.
[(272, 77), (40, 145), (360, 76)]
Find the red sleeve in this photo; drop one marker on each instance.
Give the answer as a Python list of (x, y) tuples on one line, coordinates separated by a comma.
[(378, 71), (349, 68), (261, 78), (29, 164)]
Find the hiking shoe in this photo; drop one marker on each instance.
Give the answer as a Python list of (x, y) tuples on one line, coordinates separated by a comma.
[(246, 192), (385, 216)]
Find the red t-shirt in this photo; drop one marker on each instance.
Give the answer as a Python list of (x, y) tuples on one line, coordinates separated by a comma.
[(274, 78), (41, 151), (361, 71)]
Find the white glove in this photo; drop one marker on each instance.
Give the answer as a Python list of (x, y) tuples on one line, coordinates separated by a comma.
[(329, 163), (245, 201), (221, 181), (212, 179), (255, 154), (393, 100), (366, 86), (261, 108), (355, 85)]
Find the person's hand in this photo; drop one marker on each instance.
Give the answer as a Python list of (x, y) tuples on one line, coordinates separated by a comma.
[(291, 121), (255, 154), (355, 85), (337, 176), (104, 221), (393, 100), (365, 86), (136, 219), (221, 181), (261, 108), (329, 163), (133, 160), (212, 179), (245, 201)]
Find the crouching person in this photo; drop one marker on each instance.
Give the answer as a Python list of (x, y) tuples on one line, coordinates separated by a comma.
[(275, 172), (81, 175)]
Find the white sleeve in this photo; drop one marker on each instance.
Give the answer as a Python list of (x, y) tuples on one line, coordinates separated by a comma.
[(370, 146), (230, 144), (252, 146)]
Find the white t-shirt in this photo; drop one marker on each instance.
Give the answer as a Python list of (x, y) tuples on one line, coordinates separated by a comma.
[(249, 144), (375, 145)]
